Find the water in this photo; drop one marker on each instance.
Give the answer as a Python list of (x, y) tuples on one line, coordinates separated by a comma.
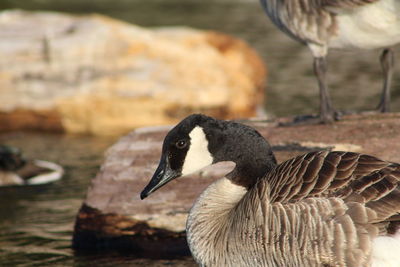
[(36, 222)]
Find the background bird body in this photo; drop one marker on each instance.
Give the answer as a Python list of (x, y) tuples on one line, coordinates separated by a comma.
[(371, 26), (346, 24), (327, 25), (16, 170)]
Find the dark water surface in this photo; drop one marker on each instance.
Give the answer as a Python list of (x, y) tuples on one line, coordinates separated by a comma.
[(36, 222)]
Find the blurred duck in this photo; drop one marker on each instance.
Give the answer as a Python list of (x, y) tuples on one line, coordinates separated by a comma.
[(16, 170), (341, 24)]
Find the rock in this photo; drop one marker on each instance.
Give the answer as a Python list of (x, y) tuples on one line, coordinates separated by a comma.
[(93, 74), (114, 216)]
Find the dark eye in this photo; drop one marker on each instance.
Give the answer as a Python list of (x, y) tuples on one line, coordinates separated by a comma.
[(181, 144)]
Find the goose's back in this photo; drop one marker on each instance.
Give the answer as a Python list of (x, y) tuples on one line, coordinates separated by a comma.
[(350, 176), (324, 209)]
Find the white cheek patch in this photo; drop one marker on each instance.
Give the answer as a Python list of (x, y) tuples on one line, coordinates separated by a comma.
[(198, 155)]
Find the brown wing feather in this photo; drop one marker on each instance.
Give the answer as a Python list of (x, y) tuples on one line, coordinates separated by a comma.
[(349, 176), (343, 4), (325, 208)]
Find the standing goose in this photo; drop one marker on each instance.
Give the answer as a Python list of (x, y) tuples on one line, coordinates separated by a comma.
[(319, 209), (344, 24)]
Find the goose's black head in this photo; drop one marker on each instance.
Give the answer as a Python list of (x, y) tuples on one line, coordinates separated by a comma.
[(11, 158), (199, 141)]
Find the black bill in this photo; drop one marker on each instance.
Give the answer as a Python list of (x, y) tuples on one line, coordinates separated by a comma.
[(163, 175)]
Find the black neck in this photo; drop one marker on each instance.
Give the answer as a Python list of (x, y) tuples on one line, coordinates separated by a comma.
[(229, 141)]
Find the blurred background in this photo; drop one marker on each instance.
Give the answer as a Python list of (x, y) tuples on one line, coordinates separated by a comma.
[(36, 222)]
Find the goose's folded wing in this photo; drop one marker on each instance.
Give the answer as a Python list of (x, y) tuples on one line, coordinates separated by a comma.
[(343, 4), (350, 176)]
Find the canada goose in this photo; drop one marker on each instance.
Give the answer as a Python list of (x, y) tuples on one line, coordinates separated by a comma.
[(319, 209), (16, 170), (346, 24)]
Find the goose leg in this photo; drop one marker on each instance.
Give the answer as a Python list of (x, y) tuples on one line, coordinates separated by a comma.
[(387, 63), (327, 113)]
